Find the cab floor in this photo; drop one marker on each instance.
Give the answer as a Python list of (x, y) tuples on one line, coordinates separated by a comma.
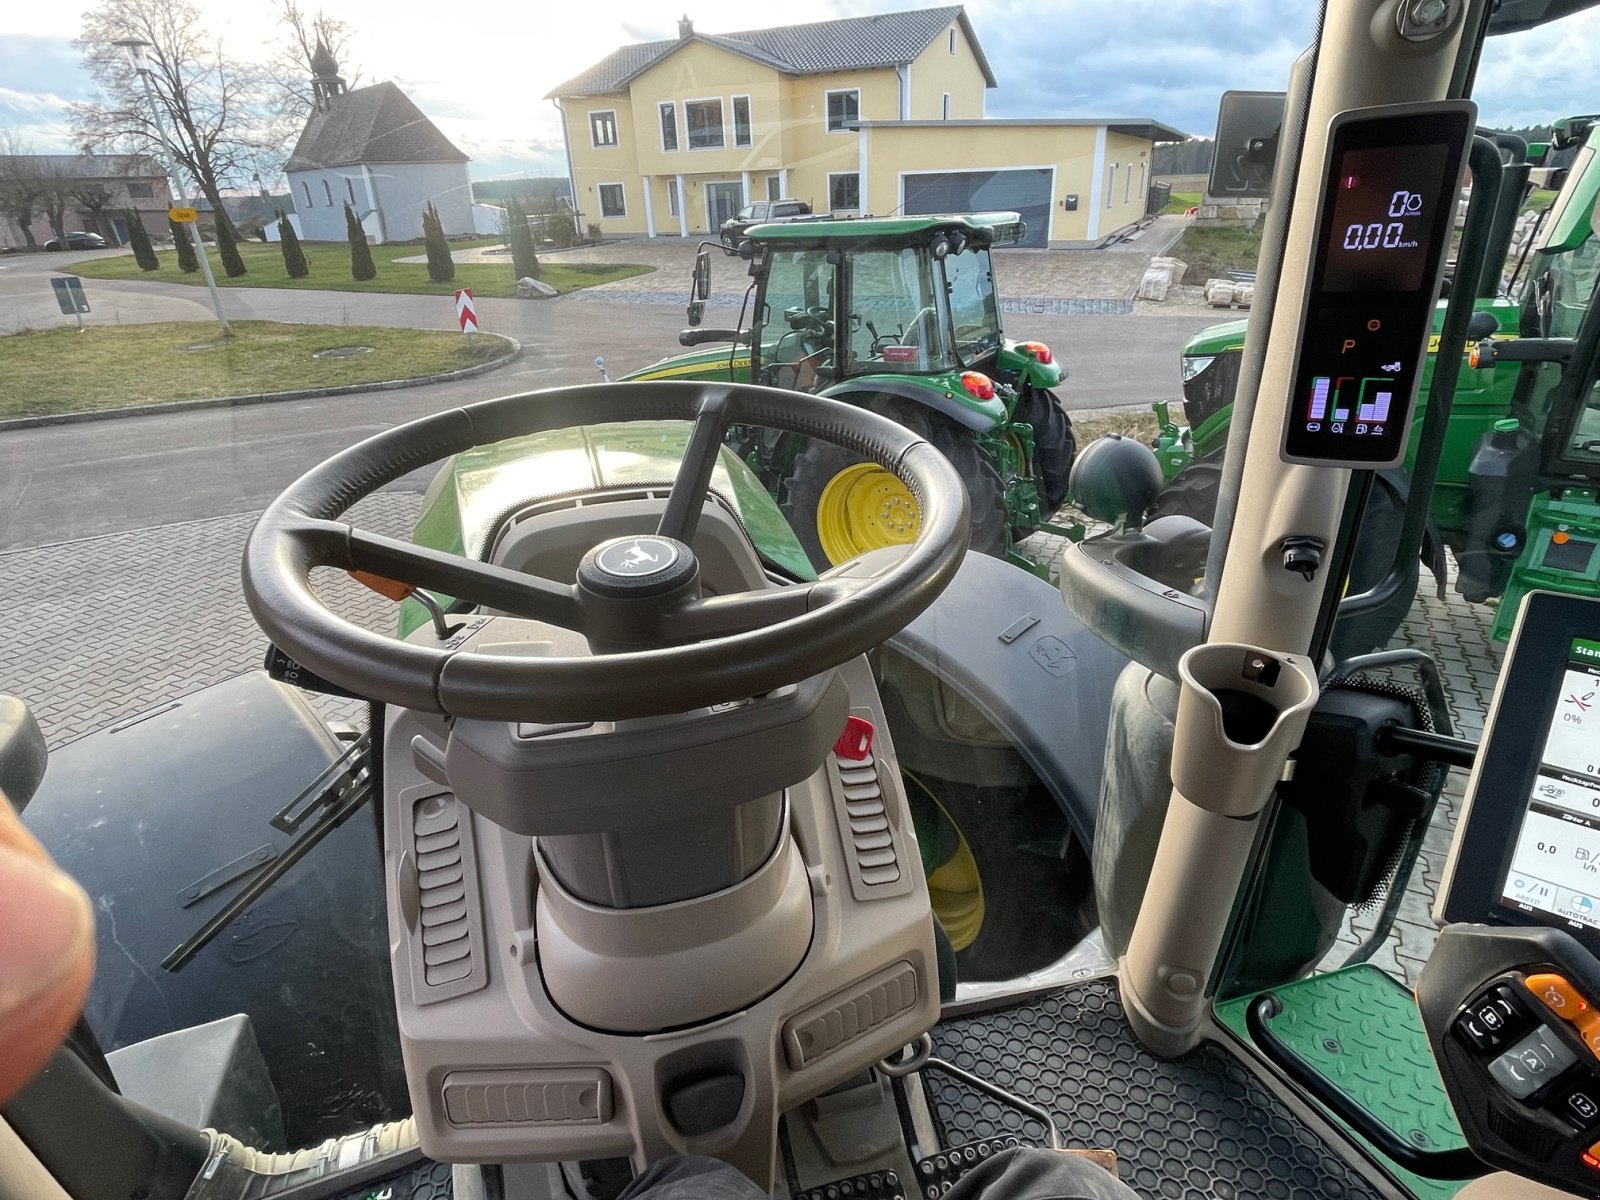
[(1199, 1127)]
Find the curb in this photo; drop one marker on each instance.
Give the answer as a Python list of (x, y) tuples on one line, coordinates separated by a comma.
[(380, 385)]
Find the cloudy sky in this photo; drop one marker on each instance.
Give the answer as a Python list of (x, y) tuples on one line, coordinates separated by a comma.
[(483, 86)]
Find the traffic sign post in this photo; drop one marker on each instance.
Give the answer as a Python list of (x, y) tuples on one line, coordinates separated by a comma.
[(466, 313), (70, 298), (191, 218)]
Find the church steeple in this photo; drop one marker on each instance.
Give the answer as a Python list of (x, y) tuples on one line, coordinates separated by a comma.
[(326, 82)]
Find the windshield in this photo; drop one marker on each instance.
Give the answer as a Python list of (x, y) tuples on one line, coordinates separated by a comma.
[(893, 320), (974, 309)]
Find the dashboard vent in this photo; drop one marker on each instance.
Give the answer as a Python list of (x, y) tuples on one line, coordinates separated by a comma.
[(846, 1016), (549, 1096), (448, 929), (867, 834)]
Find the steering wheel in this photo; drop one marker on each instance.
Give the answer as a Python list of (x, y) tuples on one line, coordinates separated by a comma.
[(661, 647)]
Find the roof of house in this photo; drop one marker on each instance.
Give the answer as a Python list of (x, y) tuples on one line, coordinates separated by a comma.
[(376, 124), (86, 166), (852, 43), (1140, 127)]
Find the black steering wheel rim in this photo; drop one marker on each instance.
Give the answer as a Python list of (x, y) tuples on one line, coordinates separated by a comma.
[(793, 633)]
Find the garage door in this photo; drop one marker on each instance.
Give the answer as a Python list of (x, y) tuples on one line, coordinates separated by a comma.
[(1025, 191)]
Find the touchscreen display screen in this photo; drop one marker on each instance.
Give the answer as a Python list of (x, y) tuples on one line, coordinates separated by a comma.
[(1555, 865)]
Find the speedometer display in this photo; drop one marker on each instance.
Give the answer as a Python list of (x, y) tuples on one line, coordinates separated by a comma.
[(1384, 203)]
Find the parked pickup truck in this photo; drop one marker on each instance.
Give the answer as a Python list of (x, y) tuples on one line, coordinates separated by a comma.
[(762, 212)]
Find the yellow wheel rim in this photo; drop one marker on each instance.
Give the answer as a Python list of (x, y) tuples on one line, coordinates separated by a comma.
[(956, 893), (865, 508), (955, 889)]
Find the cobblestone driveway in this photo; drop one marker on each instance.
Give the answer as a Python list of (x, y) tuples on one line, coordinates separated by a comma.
[(102, 628)]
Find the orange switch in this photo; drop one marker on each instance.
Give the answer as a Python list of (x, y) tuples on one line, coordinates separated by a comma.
[(1589, 1031), (1591, 1156), (1559, 996)]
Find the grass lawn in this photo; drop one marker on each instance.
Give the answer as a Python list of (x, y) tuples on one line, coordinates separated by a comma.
[(330, 270), (1211, 251), (1537, 199), (46, 372), (1182, 202), (1088, 425)]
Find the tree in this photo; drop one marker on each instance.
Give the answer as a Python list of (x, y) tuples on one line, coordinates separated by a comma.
[(524, 258), (294, 258), (143, 252), (290, 71), (361, 264), (441, 268), (183, 243), (20, 187), (228, 246), (217, 111), (95, 197)]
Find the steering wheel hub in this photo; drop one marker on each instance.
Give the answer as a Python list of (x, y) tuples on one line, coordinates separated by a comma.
[(637, 567)]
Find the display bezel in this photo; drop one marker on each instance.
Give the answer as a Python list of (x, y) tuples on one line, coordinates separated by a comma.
[(1447, 123), (1508, 761)]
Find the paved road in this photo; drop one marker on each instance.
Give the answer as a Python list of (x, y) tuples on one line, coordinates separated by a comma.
[(74, 481)]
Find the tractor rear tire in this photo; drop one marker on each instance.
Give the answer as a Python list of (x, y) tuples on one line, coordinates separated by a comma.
[(1054, 445), (1192, 492), (817, 465)]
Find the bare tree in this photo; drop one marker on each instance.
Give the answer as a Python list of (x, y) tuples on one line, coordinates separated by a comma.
[(20, 188), (217, 111), (290, 71), (95, 198)]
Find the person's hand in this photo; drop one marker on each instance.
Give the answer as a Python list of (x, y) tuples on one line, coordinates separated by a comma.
[(46, 953)]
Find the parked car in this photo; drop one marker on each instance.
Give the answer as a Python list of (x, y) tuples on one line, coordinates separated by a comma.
[(760, 213), (78, 240)]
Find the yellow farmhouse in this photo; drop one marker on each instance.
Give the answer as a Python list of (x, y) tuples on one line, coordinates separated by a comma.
[(880, 114)]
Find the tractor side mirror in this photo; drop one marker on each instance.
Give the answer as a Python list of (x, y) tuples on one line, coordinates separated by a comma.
[(1482, 325), (697, 312), (702, 275)]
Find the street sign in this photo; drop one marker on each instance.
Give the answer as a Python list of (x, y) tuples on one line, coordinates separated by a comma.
[(465, 312), (69, 297), (182, 216)]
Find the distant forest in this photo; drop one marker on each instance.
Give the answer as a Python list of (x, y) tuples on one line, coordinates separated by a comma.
[(1193, 155)]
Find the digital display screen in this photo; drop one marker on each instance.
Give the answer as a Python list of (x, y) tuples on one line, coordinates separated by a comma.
[(1555, 865), (1383, 214), (1389, 193)]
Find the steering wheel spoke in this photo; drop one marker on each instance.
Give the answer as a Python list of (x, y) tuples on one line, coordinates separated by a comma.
[(688, 495), (485, 584), (745, 612)]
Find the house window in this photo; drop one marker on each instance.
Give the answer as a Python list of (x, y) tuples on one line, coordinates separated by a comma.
[(140, 191), (1142, 192), (328, 192), (704, 119), (741, 120), (613, 201), (306, 188), (947, 106), (1111, 186), (672, 197), (669, 127), (844, 192), (774, 187), (844, 108), (952, 39), (603, 128), (1127, 186), (350, 186)]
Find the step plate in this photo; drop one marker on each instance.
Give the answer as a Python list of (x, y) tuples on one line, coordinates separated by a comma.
[(1197, 1128)]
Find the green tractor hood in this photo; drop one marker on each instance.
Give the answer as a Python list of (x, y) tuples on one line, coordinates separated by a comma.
[(718, 361), (1216, 339), (477, 489)]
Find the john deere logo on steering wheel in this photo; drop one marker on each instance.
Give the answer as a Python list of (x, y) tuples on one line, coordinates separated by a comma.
[(636, 557)]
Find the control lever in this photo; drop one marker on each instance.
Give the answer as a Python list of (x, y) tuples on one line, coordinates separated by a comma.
[(1512, 1021)]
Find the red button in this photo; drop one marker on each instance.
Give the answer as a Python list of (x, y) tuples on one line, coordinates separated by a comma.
[(855, 743)]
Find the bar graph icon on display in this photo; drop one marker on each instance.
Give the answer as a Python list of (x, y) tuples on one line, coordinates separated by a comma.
[(1377, 394), (1319, 398)]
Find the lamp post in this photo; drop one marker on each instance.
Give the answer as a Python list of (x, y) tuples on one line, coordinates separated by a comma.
[(137, 50)]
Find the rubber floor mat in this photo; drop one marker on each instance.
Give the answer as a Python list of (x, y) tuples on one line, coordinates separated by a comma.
[(1199, 1127)]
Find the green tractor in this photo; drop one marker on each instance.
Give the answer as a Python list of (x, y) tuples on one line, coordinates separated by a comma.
[(899, 316), (1516, 479)]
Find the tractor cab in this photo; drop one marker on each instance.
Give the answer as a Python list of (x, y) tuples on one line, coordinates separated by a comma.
[(643, 876)]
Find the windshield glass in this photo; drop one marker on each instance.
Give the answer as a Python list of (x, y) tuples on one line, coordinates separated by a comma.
[(974, 309), (893, 320)]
